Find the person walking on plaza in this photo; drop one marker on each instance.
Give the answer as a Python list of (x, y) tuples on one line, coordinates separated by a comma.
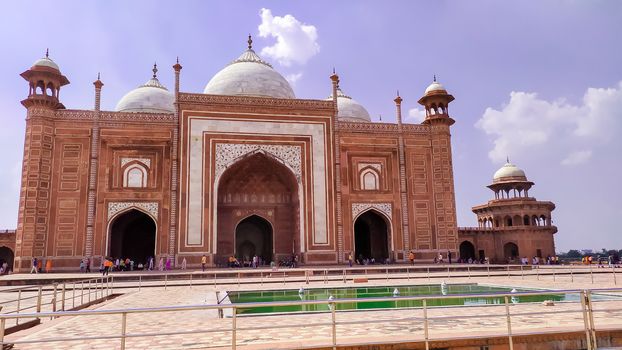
[(150, 263), (183, 264), (203, 262), (48, 266), (411, 257), (168, 264), (350, 259), (34, 266), (449, 256), (87, 265), (161, 264)]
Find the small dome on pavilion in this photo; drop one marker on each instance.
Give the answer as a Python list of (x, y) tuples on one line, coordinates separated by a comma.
[(249, 75), (349, 109), (509, 170), (46, 62), (152, 97), (435, 88)]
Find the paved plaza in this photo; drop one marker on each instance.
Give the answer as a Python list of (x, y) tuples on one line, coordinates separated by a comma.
[(305, 330)]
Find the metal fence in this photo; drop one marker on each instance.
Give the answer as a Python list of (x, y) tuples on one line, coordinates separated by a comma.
[(53, 297), (310, 275), (512, 317)]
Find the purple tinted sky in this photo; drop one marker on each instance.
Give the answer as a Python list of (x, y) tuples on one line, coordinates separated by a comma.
[(481, 50)]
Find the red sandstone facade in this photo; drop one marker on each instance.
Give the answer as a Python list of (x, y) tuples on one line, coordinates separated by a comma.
[(221, 175)]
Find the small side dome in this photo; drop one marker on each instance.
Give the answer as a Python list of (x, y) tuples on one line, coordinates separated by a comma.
[(46, 62), (152, 97), (508, 171), (249, 75), (350, 110)]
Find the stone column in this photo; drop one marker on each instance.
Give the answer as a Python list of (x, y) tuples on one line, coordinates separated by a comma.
[(402, 177), (92, 196)]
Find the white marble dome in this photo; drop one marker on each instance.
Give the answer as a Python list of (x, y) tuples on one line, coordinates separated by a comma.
[(349, 109), (434, 87), (46, 62), (152, 97), (249, 75), (509, 170)]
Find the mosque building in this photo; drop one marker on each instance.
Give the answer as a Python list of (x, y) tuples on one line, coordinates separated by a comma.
[(247, 169)]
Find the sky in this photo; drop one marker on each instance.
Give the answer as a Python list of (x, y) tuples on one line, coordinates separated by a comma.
[(539, 81)]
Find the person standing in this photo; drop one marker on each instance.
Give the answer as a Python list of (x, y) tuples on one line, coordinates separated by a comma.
[(449, 256), (411, 257), (87, 265), (203, 262), (35, 264), (150, 263), (168, 264), (161, 264), (48, 266), (350, 259), (183, 264)]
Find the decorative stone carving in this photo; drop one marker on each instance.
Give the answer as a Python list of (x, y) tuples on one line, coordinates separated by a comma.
[(229, 153), (149, 207), (69, 114), (145, 161), (385, 208), (376, 166), (382, 127), (262, 101)]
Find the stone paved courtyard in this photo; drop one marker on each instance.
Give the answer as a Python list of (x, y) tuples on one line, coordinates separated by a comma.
[(304, 330)]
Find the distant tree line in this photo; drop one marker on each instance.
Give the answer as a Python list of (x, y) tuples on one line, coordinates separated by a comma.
[(577, 254)]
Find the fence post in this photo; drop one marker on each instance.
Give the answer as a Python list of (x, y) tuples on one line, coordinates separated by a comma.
[(344, 275), (191, 280), (615, 282), (508, 267), (590, 313), (19, 301), (426, 331), (233, 329), (469, 271), (428, 274), (387, 272), (448, 277), (306, 276), (332, 306), (140, 282), (123, 329), (62, 305), (238, 279), (165, 281), (325, 277), (538, 272), (89, 286), (39, 299), (522, 272), (81, 292), (591, 274), (586, 321), (2, 327), (509, 322), (571, 275), (488, 270)]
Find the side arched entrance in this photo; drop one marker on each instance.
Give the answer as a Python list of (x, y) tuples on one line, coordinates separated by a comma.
[(132, 235), (467, 250), (6, 255), (258, 203), (253, 236), (371, 237), (510, 251)]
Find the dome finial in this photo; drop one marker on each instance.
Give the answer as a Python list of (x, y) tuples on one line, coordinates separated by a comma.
[(250, 42), (98, 75), (47, 53), (435, 78), (507, 159), (155, 70)]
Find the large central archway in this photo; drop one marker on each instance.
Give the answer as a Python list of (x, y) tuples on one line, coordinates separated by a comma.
[(257, 187), (253, 236), (133, 235), (371, 237)]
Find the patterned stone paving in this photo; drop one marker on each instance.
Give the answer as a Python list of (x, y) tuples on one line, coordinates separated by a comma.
[(292, 331)]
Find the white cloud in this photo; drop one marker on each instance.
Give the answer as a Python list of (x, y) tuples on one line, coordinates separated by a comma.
[(578, 157), (415, 115), (528, 124), (296, 42), (293, 78)]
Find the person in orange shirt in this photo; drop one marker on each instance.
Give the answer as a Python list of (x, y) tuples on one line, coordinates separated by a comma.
[(48, 266)]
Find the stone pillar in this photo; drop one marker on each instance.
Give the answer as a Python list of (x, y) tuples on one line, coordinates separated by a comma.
[(339, 214), (174, 171), (402, 177), (92, 196)]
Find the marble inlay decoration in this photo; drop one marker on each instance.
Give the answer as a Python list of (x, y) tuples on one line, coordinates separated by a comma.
[(228, 153), (385, 208), (146, 161), (116, 207)]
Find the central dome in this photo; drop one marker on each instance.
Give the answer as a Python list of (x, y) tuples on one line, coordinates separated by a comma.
[(249, 75)]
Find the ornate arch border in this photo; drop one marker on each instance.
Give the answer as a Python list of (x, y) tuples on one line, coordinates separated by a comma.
[(117, 208), (228, 154), (384, 208)]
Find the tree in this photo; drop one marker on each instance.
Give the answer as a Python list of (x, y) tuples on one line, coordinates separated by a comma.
[(573, 253)]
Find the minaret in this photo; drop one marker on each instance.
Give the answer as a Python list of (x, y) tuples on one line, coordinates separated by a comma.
[(44, 81), (174, 168), (402, 158), (436, 101), (340, 253), (93, 168)]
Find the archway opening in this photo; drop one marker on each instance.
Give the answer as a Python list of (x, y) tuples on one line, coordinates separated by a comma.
[(467, 250), (253, 236), (6, 255), (510, 251), (133, 236), (260, 186), (371, 237)]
